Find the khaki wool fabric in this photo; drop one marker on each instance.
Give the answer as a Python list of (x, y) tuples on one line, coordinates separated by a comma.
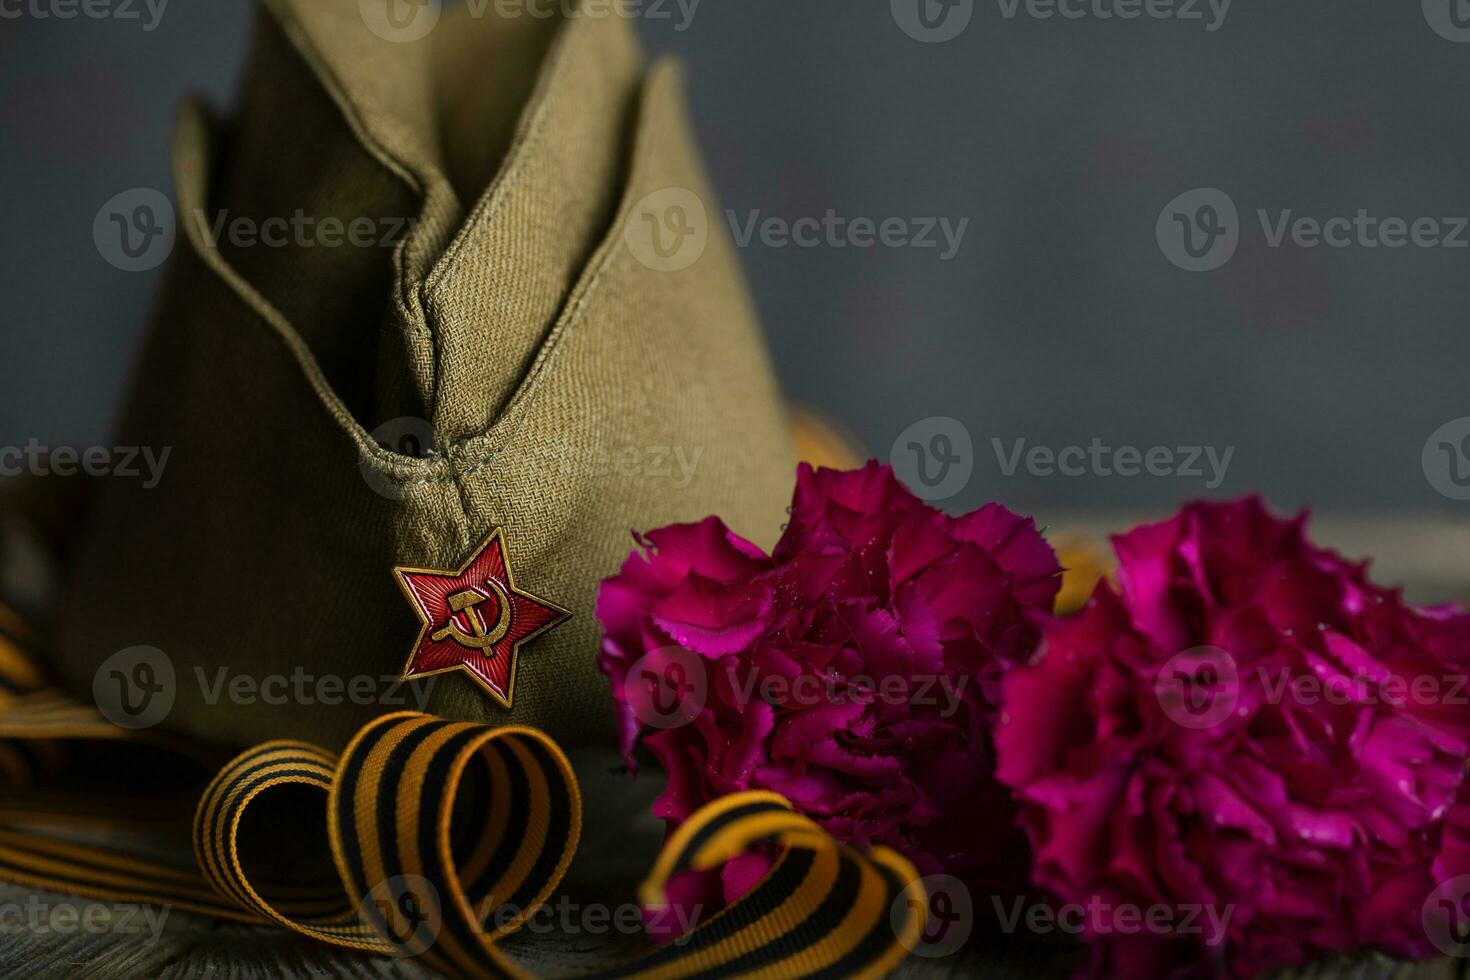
[(559, 373)]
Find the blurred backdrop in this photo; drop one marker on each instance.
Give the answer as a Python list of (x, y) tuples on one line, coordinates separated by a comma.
[(1055, 247)]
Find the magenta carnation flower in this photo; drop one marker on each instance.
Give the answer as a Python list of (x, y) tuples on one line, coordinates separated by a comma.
[(1248, 737), (852, 671)]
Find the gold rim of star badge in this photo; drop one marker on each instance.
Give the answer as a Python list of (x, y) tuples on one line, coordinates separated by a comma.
[(562, 615)]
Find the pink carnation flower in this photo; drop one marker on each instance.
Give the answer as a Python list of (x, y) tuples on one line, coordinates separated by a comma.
[(1248, 728), (852, 671)]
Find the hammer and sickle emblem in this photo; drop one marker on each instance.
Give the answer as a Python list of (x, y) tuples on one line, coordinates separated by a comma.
[(468, 602)]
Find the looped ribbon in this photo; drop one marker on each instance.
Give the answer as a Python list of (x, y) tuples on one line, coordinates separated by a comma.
[(435, 839)]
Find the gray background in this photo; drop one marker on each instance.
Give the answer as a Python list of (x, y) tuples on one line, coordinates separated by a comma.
[(1059, 320)]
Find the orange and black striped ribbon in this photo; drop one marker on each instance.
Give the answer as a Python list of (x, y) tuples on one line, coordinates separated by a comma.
[(437, 839)]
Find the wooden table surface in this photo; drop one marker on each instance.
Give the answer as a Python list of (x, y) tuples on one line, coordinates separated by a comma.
[(620, 839)]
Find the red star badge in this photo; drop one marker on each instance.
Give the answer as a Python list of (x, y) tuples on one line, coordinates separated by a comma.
[(475, 619)]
